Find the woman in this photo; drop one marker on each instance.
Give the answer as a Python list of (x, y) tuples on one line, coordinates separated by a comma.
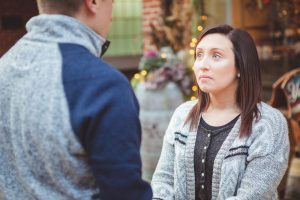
[(227, 144)]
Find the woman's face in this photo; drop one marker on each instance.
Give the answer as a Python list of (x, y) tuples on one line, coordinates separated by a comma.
[(214, 66)]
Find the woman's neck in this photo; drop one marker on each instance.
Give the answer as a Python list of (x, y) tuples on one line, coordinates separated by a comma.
[(222, 102), (221, 110)]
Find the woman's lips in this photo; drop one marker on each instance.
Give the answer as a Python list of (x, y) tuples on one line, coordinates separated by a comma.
[(204, 77)]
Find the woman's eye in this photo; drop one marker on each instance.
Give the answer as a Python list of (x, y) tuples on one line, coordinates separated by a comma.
[(216, 56), (199, 55)]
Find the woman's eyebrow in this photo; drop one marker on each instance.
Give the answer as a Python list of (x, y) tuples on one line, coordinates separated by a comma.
[(212, 49)]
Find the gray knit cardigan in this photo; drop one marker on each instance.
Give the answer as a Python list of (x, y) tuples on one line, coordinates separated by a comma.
[(248, 168)]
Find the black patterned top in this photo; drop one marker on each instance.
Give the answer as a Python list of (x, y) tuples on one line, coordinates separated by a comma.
[(208, 142)]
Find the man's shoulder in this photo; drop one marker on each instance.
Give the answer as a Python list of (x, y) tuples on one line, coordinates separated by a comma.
[(80, 64)]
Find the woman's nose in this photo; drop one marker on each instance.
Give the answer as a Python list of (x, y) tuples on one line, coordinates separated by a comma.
[(202, 65)]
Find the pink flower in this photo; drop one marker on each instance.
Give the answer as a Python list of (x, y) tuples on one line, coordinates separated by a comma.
[(150, 54)]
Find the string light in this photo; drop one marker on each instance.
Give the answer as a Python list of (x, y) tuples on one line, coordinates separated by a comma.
[(200, 28), (137, 76), (143, 72), (193, 44), (195, 88), (203, 17), (164, 55), (192, 52)]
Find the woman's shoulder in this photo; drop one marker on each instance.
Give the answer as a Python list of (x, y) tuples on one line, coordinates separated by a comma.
[(181, 112), (185, 107), (270, 113), (271, 122), (269, 132)]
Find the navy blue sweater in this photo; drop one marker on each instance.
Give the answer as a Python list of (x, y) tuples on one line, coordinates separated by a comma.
[(104, 116)]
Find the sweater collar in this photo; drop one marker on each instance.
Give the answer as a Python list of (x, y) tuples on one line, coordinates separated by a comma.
[(64, 29)]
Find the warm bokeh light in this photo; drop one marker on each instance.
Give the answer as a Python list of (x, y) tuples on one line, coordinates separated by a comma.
[(144, 73), (192, 52), (163, 55), (192, 44), (137, 76), (200, 28), (195, 88), (203, 17)]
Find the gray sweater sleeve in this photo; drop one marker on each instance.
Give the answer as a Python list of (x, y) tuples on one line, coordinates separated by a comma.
[(163, 177), (267, 160)]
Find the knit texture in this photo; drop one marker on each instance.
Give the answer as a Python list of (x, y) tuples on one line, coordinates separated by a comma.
[(245, 168), (68, 120), (34, 110)]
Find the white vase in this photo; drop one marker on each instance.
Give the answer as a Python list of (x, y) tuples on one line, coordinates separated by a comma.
[(156, 109)]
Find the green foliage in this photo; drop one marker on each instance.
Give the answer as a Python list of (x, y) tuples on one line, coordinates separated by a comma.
[(151, 63)]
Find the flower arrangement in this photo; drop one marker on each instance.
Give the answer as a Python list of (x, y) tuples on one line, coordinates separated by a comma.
[(151, 61), (158, 68), (167, 57)]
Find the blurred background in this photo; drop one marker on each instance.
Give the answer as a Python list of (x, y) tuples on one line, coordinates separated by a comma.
[(153, 45)]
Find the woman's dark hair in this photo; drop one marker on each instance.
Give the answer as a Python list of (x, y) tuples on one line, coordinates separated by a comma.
[(249, 89)]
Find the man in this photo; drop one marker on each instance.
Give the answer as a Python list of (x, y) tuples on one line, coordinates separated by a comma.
[(68, 121)]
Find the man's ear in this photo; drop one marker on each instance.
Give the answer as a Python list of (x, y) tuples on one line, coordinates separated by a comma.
[(92, 5)]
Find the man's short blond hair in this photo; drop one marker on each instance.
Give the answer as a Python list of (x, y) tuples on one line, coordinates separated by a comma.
[(67, 7)]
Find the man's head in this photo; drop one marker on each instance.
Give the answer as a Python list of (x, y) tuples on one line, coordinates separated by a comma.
[(96, 14), (66, 7)]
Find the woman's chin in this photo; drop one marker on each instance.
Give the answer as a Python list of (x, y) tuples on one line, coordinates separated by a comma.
[(205, 89)]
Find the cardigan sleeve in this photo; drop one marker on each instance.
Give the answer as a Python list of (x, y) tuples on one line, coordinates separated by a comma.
[(163, 177), (267, 160)]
